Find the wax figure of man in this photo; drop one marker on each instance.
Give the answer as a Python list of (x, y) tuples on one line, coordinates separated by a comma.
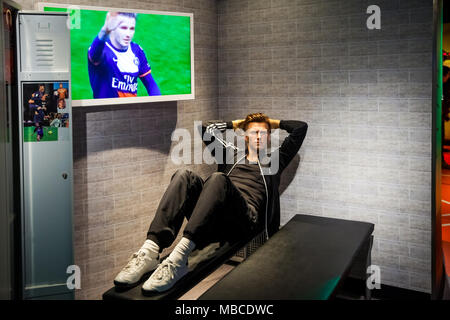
[(235, 203)]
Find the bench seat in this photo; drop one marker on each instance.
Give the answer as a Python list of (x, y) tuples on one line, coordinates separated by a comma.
[(309, 258)]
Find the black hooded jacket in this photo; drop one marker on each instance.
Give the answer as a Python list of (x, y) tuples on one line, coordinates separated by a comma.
[(288, 149)]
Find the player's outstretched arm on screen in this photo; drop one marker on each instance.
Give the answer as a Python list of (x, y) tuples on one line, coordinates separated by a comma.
[(151, 85), (111, 22), (95, 51), (97, 46)]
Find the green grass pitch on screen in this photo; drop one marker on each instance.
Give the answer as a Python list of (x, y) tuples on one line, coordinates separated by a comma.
[(164, 38), (50, 134)]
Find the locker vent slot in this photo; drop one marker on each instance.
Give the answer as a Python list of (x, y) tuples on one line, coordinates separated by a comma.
[(44, 52)]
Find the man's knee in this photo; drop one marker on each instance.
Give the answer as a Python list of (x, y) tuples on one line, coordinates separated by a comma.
[(217, 177), (187, 175), (182, 173)]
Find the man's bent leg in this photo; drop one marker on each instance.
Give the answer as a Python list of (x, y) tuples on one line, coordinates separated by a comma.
[(177, 203), (221, 212)]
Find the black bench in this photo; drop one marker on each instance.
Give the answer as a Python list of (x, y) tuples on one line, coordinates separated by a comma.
[(309, 258)]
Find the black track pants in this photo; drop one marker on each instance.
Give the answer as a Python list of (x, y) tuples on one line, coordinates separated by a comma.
[(215, 210)]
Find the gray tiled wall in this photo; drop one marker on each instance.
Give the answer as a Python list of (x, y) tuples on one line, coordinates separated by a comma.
[(121, 155), (366, 95)]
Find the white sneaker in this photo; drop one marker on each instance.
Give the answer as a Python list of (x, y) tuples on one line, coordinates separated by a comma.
[(165, 276), (139, 266)]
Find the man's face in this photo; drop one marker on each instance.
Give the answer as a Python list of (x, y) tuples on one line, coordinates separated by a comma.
[(124, 32), (60, 85), (257, 135), (41, 89)]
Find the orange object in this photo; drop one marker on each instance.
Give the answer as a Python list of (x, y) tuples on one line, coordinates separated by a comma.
[(445, 214), (126, 94)]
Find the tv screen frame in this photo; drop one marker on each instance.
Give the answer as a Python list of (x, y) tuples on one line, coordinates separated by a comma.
[(138, 99)]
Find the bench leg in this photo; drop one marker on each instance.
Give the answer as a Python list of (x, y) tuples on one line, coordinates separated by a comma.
[(368, 292)]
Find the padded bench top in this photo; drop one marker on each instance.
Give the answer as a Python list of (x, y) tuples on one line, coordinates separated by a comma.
[(306, 259)]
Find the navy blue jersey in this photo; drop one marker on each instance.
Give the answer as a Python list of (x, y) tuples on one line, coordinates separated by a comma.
[(114, 73), (37, 98)]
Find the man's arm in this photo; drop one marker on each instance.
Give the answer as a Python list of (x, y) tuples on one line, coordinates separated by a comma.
[(292, 143), (209, 128), (223, 125), (237, 123), (274, 124), (95, 51), (35, 99), (150, 84)]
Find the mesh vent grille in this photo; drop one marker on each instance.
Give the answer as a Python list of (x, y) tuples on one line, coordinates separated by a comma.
[(251, 247)]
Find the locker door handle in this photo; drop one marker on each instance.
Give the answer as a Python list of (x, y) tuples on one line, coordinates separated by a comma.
[(64, 175)]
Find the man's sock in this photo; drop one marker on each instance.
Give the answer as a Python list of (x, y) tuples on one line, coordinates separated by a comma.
[(151, 247), (180, 254)]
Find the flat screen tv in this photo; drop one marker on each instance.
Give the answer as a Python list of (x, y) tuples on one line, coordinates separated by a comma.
[(122, 56)]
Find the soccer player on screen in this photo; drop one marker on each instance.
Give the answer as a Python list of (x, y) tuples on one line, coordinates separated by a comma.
[(115, 62)]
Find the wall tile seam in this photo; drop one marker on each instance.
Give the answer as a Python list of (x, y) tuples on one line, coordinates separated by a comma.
[(414, 269), (291, 41), (399, 243), (337, 15), (354, 71), (108, 211), (113, 198), (400, 254), (109, 164), (373, 211)]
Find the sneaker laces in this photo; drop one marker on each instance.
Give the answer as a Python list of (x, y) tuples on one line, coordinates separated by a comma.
[(135, 260), (167, 269)]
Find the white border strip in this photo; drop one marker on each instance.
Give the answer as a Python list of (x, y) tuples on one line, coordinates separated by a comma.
[(111, 101)]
